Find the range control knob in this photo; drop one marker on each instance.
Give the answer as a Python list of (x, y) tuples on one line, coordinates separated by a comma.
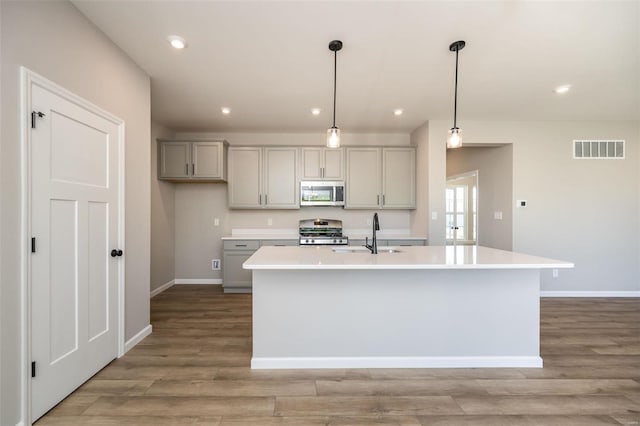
[(335, 241)]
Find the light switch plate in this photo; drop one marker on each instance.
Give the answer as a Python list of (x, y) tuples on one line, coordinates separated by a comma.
[(434, 215), (521, 203), (497, 215)]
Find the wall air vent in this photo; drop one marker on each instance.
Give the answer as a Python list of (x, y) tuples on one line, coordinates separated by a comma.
[(598, 149)]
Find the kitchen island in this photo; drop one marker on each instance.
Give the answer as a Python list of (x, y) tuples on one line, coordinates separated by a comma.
[(413, 307)]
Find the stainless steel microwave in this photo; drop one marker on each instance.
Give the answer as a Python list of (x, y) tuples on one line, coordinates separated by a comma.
[(321, 193)]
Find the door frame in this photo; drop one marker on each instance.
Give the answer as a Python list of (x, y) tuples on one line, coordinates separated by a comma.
[(29, 78)]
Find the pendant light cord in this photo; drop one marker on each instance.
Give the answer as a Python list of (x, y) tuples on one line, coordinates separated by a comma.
[(335, 72), (455, 97)]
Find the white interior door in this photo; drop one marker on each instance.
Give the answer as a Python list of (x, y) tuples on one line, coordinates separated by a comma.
[(75, 222)]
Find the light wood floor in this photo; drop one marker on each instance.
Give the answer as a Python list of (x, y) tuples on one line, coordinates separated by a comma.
[(194, 370)]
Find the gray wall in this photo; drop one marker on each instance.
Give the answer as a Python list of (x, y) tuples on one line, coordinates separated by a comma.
[(197, 240), (583, 211), (163, 217), (53, 39), (420, 216), (437, 169), (495, 179)]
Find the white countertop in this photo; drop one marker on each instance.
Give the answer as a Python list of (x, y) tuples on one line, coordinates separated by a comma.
[(414, 257)]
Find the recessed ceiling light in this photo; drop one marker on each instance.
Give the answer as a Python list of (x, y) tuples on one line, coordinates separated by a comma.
[(315, 111), (398, 111), (562, 89), (177, 42), (225, 110)]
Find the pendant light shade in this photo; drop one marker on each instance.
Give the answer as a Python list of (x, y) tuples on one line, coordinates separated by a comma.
[(454, 139), (333, 137), (333, 133)]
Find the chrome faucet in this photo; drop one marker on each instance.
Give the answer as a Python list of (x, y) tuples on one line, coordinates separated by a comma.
[(374, 243)]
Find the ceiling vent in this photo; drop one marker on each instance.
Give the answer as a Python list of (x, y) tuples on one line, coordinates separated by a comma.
[(598, 149)]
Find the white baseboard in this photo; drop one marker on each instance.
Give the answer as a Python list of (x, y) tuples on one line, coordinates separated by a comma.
[(137, 338), (20, 423), (259, 363), (198, 281), (162, 288), (590, 294)]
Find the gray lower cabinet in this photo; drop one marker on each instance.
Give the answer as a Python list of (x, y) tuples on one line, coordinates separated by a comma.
[(401, 243), (235, 279), (278, 243)]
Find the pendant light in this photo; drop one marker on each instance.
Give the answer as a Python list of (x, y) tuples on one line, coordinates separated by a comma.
[(454, 140), (333, 133)]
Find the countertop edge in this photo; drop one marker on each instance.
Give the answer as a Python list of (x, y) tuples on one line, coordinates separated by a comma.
[(409, 267)]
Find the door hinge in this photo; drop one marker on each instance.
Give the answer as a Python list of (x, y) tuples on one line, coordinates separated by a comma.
[(33, 244), (33, 369), (35, 114)]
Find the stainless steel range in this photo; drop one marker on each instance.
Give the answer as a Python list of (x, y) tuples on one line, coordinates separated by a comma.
[(321, 232)]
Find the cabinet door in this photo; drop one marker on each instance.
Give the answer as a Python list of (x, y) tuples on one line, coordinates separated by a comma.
[(407, 242), (234, 277), (207, 160), (398, 178), (278, 243), (245, 171), (280, 178), (333, 167), (363, 178), (174, 160), (311, 163)]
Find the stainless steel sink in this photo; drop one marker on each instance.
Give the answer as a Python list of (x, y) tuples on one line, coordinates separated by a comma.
[(388, 250), (350, 250)]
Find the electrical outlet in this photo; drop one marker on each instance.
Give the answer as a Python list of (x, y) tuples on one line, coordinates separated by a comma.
[(521, 203), (497, 215), (555, 273), (434, 215), (216, 222), (269, 222), (368, 222), (215, 264)]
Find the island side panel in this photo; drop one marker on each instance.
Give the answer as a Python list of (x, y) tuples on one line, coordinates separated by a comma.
[(395, 318)]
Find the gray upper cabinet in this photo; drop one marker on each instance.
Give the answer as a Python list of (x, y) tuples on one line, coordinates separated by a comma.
[(245, 177), (381, 178), (280, 178), (191, 160), (263, 178), (363, 178), (322, 163), (398, 178)]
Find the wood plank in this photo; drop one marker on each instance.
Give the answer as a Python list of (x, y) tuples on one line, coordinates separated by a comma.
[(194, 369)]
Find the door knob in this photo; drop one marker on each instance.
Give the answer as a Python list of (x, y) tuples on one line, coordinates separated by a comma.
[(115, 253)]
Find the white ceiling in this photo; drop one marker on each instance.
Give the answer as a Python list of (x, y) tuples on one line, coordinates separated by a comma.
[(269, 61)]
